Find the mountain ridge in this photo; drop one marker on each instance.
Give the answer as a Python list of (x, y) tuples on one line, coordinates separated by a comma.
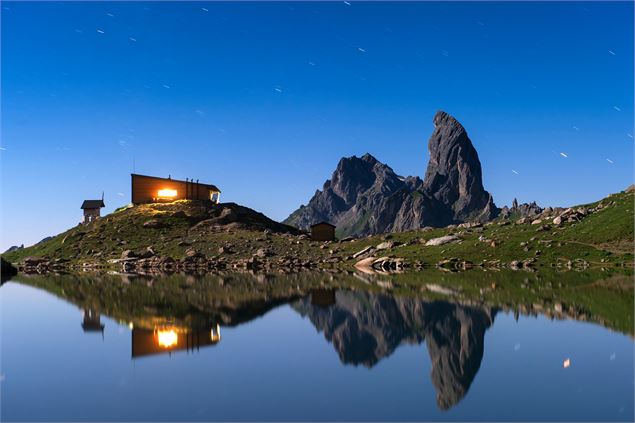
[(365, 196)]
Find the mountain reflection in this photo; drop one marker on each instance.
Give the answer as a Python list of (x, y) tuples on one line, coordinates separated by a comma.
[(365, 324), (365, 328)]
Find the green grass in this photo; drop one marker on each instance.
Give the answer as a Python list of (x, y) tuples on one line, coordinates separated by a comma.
[(604, 238)]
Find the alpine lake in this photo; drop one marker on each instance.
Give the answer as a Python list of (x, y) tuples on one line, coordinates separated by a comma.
[(428, 346)]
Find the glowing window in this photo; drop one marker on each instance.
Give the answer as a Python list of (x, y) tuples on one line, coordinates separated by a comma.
[(167, 338), (167, 193)]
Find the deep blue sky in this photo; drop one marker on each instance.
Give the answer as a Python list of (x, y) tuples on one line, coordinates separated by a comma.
[(263, 99)]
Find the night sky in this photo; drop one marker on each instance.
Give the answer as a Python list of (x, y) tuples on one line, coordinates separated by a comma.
[(263, 99)]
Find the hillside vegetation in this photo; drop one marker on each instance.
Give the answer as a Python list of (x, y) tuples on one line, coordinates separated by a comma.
[(231, 232)]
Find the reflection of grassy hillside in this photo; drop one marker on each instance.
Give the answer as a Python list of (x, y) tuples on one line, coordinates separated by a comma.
[(605, 297)]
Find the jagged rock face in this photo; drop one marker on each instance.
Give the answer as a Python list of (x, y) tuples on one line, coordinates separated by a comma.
[(365, 328), (365, 196), (454, 175), (521, 210)]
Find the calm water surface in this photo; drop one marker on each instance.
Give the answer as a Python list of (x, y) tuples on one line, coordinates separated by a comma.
[(332, 355)]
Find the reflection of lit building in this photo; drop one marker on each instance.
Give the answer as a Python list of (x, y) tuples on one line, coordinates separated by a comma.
[(323, 297), (171, 338), (92, 322)]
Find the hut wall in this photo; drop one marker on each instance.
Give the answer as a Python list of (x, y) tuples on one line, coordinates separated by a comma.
[(322, 233), (145, 189)]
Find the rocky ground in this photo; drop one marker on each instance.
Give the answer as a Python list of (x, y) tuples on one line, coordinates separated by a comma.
[(189, 236)]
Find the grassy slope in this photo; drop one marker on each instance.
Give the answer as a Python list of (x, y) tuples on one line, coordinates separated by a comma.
[(602, 239)]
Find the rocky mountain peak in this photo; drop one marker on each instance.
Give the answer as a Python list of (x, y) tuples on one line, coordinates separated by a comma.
[(365, 196), (454, 175)]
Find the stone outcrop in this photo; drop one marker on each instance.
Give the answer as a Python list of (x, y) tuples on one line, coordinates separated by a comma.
[(365, 196), (454, 176), (525, 210)]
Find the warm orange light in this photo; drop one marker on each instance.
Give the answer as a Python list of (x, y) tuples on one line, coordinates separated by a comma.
[(167, 338), (215, 335), (167, 193)]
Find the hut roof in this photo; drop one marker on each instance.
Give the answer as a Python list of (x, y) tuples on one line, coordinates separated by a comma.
[(323, 223), (93, 204), (209, 186)]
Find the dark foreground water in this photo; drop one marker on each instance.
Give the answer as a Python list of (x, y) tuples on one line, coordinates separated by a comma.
[(331, 355)]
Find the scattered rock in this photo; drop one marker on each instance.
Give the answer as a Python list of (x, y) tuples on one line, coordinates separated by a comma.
[(365, 264), (262, 253), (129, 254), (153, 224), (363, 251), (386, 245), (442, 240)]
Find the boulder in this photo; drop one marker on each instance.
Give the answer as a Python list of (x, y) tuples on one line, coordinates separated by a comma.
[(442, 240), (366, 264), (363, 251), (262, 253), (129, 255), (153, 224), (386, 245)]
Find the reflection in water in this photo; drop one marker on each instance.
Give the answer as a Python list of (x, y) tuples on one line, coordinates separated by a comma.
[(92, 321), (167, 339), (182, 313), (365, 328)]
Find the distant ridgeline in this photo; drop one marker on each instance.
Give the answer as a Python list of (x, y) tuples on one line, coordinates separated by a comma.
[(365, 196)]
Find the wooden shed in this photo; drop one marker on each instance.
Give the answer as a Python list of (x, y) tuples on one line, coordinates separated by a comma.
[(152, 189), (92, 209), (323, 231)]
